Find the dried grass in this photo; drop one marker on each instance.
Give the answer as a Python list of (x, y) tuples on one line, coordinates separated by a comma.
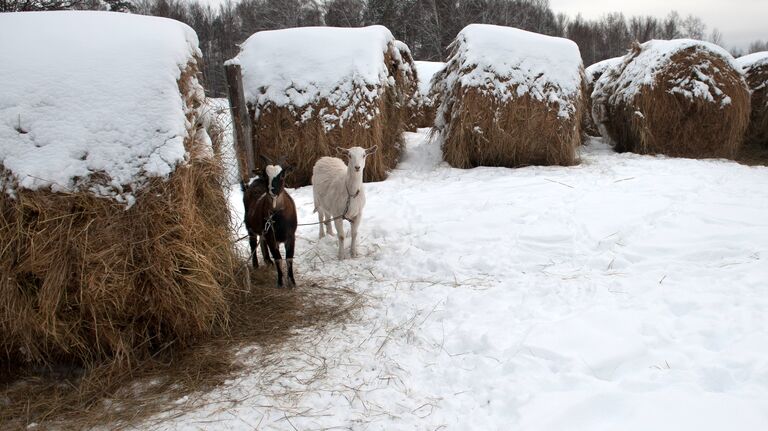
[(757, 80), (279, 131), (520, 132), (119, 397), (588, 124), (478, 129), (657, 121)]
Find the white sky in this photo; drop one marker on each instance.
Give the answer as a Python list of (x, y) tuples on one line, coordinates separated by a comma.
[(740, 21)]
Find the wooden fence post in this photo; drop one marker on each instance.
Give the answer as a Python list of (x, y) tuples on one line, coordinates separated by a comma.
[(240, 120)]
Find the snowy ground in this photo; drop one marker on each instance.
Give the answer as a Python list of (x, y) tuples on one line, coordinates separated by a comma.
[(629, 292)]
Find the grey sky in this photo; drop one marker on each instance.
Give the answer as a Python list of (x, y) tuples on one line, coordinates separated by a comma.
[(740, 21)]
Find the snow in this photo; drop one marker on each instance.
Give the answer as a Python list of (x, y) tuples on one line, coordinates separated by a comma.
[(643, 69), (628, 292), (594, 71), (299, 67), (510, 63), (92, 93), (755, 59), (425, 70)]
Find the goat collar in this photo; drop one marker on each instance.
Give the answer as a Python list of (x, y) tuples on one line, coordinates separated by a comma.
[(351, 195)]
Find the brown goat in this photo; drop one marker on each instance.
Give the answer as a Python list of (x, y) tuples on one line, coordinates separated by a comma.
[(252, 191), (271, 218)]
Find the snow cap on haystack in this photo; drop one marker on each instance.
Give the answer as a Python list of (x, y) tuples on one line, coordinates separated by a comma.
[(593, 73), (509, 97), (311, 89), (684, 98), (114, 221), (755, 68), (422, 108)]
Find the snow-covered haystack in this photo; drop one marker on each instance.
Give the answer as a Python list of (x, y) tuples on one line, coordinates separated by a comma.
[(683, 98), (114, 223), (509, 97), (315, 88), (423, 106), (755, 68), (593, 73)]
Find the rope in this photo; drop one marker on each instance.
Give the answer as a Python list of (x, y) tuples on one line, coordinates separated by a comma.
[(269, 222)]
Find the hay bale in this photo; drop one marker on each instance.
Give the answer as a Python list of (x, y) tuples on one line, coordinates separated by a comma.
[(423, 106), (592, 74), (315, 88), (511, 98), (682, 98), (114, 222), (755, 68)]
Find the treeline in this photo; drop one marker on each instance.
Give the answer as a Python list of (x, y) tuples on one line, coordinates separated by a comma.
[(427, 26)]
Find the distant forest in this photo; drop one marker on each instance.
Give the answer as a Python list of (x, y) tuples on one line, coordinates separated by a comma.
[(427, 26)]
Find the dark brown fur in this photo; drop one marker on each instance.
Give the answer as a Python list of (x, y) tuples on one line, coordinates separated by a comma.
[(271, 218)]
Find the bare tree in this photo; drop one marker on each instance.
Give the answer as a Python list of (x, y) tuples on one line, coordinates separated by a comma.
[(36, 5), (693, 28), (757, 46), (716, 37), (344, 13)]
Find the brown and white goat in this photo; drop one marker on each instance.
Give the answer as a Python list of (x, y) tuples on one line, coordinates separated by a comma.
[(271, 219)]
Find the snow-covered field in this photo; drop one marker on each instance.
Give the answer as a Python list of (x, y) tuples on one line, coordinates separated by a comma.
[(626, 293)]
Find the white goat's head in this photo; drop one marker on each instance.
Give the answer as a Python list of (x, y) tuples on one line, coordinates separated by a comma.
[(356, 156)]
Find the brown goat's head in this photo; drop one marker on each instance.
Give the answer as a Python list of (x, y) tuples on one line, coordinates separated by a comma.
[(275, 173)]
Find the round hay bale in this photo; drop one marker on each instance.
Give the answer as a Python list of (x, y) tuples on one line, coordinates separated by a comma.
[(424, 106), (755, 68), (682, 98), (115, 254), (510, 98), (592, 74), (312, 89)]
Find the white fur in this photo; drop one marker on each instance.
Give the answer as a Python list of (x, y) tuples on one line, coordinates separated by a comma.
[(332, 184), (273, 171)]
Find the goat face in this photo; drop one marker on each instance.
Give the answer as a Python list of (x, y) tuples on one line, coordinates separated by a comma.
[(275, 179), (356, 156)]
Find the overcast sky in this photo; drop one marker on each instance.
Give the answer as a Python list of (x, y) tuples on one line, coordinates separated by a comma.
[(740, 21)]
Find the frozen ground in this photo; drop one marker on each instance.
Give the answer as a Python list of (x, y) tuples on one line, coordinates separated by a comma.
[(629, 292)]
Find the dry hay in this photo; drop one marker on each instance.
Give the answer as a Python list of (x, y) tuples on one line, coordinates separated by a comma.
[(262, 321), (281, 130), (664, 118), (479, 129), (87, 280), (593, 73), (757, 80)]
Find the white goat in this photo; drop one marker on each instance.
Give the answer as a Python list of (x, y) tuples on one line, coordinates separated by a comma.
[(339, 195)]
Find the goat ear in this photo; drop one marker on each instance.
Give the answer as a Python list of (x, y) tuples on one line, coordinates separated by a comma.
[(371, 150), (266, 159), (341, 151)]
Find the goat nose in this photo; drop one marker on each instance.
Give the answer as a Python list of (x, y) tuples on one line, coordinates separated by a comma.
[(357, 168)]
